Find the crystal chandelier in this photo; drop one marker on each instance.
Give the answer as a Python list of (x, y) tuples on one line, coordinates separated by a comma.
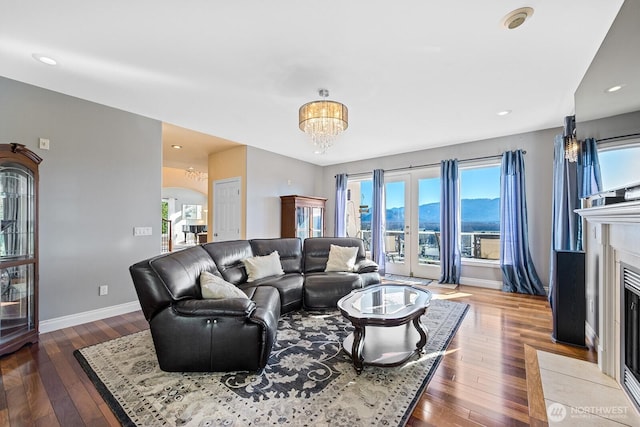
[(571, 144), (195, 175), (571, 148), (323, 120)]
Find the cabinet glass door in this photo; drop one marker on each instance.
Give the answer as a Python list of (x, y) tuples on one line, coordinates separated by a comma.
[(316, 222), (302, 222), (17, 250)]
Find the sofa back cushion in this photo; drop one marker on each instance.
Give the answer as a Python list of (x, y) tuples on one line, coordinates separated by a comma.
[(170, 277), (316, 251), (180, 271), (228, 257), (290, 250)]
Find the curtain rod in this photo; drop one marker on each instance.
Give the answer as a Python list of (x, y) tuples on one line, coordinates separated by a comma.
[(611, 138), (496, 156)]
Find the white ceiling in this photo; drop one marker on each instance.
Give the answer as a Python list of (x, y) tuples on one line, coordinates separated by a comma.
[(414, 74)]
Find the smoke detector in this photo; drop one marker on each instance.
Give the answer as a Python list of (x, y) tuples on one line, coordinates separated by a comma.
[(516, 18)]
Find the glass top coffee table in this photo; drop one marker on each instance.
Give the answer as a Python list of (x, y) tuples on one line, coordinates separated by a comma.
[(386, 318)]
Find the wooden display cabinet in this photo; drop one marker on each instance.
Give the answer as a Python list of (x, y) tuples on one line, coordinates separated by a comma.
[(302, 216), (18, 247)]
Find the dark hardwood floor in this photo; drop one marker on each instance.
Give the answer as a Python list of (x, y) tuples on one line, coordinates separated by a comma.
[(481, 380)]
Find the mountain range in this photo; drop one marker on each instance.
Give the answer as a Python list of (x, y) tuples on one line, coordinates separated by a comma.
[(485, 213)]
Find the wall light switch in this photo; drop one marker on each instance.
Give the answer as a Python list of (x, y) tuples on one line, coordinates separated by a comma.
[(44, 144), (142, 231)]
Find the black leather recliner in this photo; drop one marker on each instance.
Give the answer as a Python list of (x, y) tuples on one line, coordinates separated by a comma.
[(194, 334)]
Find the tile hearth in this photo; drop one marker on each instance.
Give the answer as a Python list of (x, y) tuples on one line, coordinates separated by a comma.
[(576, 392)]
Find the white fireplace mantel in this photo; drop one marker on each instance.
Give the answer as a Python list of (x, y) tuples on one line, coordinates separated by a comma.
[(627, 212), (611, 237)]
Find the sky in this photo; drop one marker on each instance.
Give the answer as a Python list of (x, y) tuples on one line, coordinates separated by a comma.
[(477, 183), (619, 168)]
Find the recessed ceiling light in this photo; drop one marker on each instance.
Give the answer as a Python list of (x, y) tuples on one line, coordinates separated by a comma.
[(516, 18), (503, 112), (176, 146), (45, 59), (614, 88)]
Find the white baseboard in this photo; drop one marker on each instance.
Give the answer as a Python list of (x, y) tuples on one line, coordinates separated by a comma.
[(481, 283), (51, 325)]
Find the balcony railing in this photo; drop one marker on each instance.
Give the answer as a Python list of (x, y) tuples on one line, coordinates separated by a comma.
[(474, 245)]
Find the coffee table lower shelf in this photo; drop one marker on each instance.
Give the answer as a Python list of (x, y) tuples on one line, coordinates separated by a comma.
[(386, 346)]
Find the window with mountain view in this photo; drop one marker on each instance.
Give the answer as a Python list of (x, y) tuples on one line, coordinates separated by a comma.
[(480, 212)]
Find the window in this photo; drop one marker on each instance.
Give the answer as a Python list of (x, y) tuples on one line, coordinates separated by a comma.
[(480, 212), (619, 166)]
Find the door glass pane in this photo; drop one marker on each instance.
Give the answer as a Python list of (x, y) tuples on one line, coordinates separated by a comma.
[(395, 223), (302, 221), (429, 221), (480, 212), (359, 199), (16, 301), (316, 220), (16, 212)]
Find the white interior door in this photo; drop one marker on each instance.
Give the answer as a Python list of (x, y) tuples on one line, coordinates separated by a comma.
[(226, 209)]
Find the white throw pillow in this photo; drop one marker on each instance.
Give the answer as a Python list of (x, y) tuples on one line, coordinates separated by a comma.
[(214, 287), (263, 266), (341, 258)]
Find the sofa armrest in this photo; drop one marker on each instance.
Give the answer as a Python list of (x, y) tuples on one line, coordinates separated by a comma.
[(230, 307), (365, 266)]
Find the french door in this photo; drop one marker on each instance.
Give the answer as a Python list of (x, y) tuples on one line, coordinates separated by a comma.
[(412, 234)]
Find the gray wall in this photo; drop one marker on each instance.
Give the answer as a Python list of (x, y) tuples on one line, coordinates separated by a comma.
[(609, 127), (101, 177), (539, 179), (270, 176)]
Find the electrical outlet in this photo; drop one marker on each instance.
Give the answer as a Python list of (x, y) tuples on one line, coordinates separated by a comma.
[(103, 290)]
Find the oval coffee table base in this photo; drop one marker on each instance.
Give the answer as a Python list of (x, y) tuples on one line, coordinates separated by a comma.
[(385, 346)]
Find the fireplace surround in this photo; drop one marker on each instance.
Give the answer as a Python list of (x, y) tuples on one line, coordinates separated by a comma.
[(630, 331), (611, 238)]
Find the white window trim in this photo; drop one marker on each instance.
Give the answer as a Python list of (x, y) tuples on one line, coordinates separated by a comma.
[(477, 262)]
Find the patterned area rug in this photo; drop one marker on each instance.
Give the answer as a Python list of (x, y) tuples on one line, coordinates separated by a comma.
[(309, 380)]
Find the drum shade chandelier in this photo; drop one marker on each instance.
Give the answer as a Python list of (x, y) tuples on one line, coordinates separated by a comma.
[(323, 120)]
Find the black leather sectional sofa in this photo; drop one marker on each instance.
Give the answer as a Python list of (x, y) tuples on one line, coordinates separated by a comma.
[(193, 334)]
